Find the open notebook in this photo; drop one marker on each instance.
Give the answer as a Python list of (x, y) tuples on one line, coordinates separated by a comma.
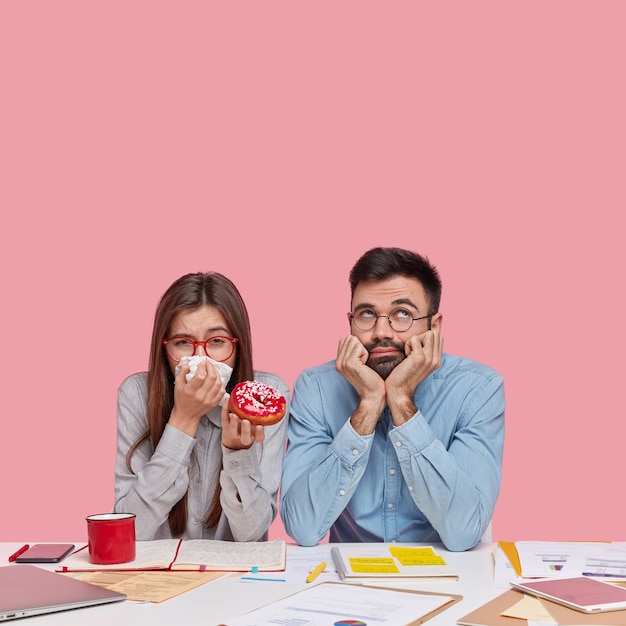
[(27, 590)]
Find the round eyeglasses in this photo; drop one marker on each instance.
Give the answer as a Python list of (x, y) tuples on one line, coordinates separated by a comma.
[(217, 348), (399, 319)]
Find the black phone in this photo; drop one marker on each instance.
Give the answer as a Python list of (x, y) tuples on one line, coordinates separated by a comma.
[(45, 553)]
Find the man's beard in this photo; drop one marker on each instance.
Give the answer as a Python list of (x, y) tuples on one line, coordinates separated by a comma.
[(384, 365)]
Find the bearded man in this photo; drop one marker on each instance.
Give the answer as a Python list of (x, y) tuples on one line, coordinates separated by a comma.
[(394, 441)]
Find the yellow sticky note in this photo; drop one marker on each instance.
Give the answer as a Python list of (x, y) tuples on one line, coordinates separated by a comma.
[(374, 566), (416, 556)]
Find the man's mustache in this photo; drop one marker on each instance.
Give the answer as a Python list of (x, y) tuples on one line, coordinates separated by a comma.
[(385, 343)]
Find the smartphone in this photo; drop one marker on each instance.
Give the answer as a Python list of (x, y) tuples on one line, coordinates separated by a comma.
[(45, 553)]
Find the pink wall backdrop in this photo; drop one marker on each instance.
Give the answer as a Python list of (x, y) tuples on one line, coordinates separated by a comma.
[(277, 141)]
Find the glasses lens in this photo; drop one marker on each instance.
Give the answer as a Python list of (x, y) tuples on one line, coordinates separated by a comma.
[(400, 319), (178, 347), (219, 348), (364, 319)]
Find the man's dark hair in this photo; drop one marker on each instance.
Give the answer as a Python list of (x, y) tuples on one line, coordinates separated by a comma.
[(386, 263)]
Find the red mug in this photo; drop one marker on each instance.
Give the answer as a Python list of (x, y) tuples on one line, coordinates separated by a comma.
[(111, 538)]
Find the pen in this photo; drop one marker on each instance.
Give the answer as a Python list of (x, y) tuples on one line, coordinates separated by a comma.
[(20, 551), (271, 580), (316, 572)]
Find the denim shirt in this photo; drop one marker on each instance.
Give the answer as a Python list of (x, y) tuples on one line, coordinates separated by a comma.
[(434, 478)]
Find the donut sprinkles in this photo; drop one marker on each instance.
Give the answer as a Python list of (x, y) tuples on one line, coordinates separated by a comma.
[(258, 403)]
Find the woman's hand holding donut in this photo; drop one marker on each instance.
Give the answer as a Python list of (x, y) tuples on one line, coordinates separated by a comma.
[(195, 398), (239, 434)]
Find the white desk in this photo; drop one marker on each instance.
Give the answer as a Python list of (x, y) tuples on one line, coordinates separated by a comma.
[(224, 598)]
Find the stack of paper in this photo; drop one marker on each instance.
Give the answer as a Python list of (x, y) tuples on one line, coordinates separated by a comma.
[(524, 560), (548, 559)]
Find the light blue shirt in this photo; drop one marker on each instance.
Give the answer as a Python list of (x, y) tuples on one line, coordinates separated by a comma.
[(434, 478)]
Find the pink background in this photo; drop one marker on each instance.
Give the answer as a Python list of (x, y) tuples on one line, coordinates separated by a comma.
[(277, 141)]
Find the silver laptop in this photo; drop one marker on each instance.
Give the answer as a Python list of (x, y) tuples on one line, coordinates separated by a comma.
[(27, 590)]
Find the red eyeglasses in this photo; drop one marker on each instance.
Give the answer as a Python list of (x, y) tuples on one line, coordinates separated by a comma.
[(217, 348)]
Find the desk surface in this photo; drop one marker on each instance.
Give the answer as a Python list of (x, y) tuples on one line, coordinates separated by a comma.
[(221, 599)]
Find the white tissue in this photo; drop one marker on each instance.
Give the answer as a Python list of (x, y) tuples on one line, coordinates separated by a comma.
[(224, 371)]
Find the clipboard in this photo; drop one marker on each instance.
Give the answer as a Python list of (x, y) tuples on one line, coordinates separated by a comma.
[(349, 593)]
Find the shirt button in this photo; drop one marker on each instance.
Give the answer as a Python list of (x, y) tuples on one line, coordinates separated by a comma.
[(355, 452), (233, 463), (392, 471), (398, 444), (342, 492), (410, 487), (390, 505), (201, 442)]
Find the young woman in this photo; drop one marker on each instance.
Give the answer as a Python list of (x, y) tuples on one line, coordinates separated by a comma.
[(185, 466)]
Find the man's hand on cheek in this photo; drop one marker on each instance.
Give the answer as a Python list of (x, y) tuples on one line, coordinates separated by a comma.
[(423, 357), (424, 352), (351, 364)]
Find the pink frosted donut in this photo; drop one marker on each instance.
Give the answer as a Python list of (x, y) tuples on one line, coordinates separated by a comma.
[(257, 403)]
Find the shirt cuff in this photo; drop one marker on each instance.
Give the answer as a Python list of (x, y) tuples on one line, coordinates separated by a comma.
[(412, 437), (176, 445), (237, 462), (350, 447)]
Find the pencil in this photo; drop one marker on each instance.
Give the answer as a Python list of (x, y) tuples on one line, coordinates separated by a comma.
[(316, 572)]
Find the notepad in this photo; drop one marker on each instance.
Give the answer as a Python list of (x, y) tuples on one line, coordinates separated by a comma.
[(191, 555), (384, 562)]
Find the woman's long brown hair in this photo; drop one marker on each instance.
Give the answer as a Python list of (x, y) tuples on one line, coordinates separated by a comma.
[(185, 294)]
